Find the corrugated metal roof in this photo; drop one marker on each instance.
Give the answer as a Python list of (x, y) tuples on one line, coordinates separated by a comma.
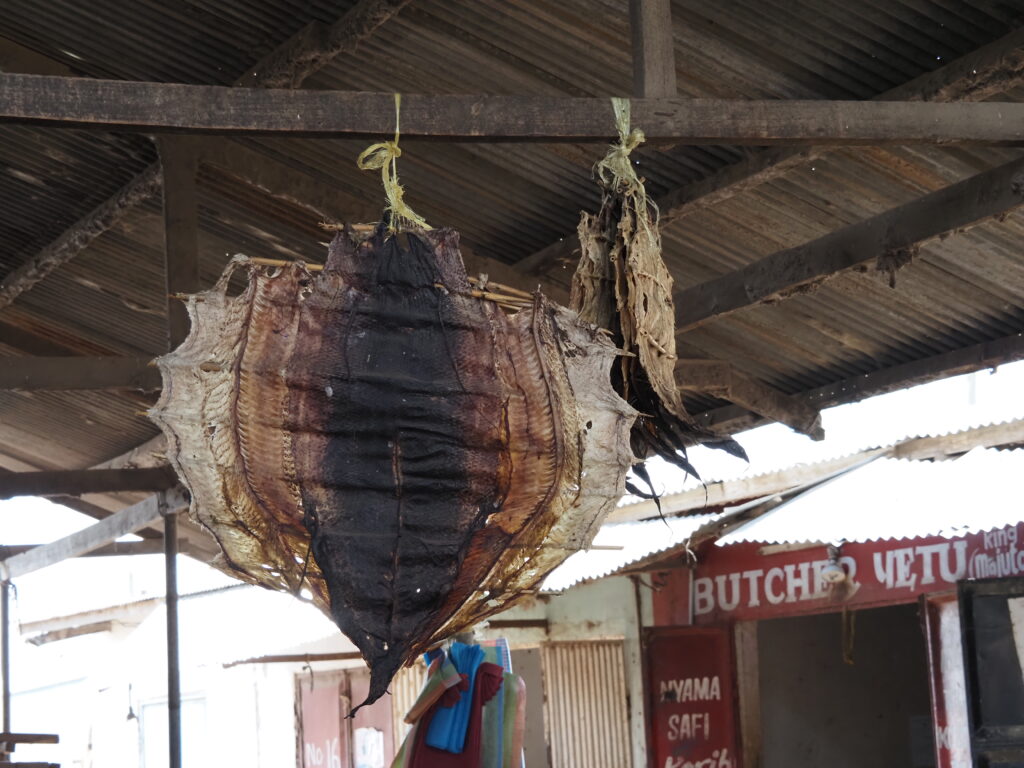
[(627, 543), (947, 407), (883, 499), (898, 499), (507, 200)]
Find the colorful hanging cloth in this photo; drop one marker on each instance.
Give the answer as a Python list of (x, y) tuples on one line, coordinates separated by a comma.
[(448, 727)]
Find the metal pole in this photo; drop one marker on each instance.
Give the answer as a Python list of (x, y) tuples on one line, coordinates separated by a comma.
[(5, 652), (171, 603)]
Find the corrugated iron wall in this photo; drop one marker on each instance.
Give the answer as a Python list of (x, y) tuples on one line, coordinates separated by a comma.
[(586, 710), (404, 690)]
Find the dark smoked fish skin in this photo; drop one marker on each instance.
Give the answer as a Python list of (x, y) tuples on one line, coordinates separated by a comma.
[(413, 456), (400, 444)]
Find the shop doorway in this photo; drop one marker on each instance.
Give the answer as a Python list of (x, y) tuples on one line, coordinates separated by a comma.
[(818, 708)]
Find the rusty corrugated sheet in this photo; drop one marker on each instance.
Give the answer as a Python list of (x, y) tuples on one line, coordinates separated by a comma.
[(586, 709)]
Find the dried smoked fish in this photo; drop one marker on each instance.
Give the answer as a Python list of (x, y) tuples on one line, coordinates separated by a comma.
[(410, 453)]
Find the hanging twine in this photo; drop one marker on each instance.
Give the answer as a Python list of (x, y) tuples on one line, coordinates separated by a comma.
[(383, 155), (616, 170), (617, 173)]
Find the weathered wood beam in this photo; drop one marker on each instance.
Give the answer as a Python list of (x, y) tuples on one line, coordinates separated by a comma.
[(173, 107), (298, 658), (316, 45), (66, 634), (78, 481), (899, 230), (654, 55), (989, 71), (300, 56), (179, 162), (731, 419), (79, 235), (116, 549), (66, 373), (721, 379), (105, 532)]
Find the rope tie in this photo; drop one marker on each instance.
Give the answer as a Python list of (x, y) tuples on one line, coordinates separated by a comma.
[(383, 155), (615, 169), (617, 173)]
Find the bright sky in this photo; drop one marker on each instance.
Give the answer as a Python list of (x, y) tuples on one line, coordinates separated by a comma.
[(945, 406)]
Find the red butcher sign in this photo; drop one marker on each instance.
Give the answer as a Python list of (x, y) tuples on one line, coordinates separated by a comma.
[(689, 674), (737, 582)]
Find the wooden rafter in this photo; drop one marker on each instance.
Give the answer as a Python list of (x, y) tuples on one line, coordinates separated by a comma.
[(73, 482), (179, 163), (31, 374), (298, 57), (721, 379), (173, 107), (145, 513), (897, 231), (989, 71), (990, 354), (654, 60)]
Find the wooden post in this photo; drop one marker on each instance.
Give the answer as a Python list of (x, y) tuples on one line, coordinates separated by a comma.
[(654, 59)]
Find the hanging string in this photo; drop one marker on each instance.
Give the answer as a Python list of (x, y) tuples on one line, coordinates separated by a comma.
[(384, 155), (616, 171), (615, 168)]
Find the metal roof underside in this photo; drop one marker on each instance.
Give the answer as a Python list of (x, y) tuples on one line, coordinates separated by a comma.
[(507, 200)]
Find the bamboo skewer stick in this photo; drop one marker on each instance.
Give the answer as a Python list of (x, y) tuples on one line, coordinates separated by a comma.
[(505, 295)]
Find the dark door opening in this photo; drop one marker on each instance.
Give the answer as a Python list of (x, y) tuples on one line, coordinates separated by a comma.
[(817, 709)]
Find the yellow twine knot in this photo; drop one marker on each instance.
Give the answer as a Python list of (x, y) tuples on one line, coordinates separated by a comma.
[(615, 169), (382, 155)]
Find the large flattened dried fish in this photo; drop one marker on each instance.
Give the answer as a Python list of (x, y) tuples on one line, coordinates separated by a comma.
[(415, 456)]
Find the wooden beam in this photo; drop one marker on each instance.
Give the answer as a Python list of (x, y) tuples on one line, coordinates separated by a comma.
[(902, 229), (654, 54), (721, 379), (66, 373), (117, 549), (731, 419), (984, 73), (66, 634), (179, 161), (1007, 434), (78, 481), (172, 107), (301, 55), (79, 235), (298, 658), (126, 521), (316, 45)]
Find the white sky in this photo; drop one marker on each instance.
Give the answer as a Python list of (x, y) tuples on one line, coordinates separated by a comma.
[(945, 406)]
